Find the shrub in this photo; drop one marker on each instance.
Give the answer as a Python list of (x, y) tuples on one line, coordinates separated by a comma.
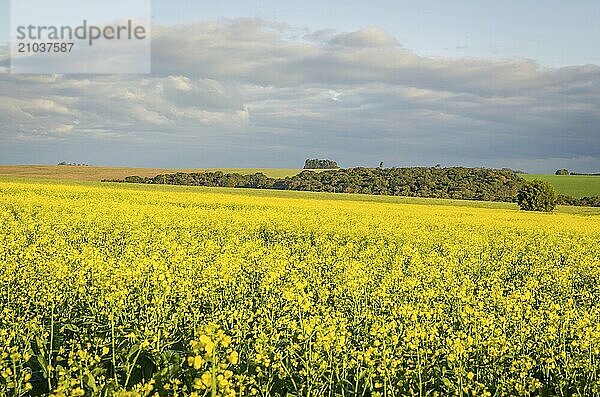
[(562, 172), (537, 196)]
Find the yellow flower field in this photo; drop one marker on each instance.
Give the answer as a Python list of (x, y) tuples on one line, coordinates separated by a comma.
[(141, 291)]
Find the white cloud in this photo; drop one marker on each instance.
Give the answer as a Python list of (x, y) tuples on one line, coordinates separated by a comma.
[(368, 37)]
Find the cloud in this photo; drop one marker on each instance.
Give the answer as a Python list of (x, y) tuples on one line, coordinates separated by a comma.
[(128, 106), (250, 92), (366, 38), (246, 51)]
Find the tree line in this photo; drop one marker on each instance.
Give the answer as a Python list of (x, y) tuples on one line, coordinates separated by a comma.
[(593, 201), (458, 183), (567, 172), (454, 183)]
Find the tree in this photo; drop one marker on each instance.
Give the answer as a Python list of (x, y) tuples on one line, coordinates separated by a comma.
[(562, 172), (537, 196), (316, 164)]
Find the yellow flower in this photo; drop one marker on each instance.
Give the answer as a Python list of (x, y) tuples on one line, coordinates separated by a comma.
[(198, 361), (206, 379), (233, 357)]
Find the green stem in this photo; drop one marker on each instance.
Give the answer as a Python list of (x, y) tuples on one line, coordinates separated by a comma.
[(132, 367), (114, 360), (213, 371), (17, 391), (50, 350), (420, 370)]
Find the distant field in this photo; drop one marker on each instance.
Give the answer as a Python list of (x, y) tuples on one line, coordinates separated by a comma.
[(63, 172), (570, 185)]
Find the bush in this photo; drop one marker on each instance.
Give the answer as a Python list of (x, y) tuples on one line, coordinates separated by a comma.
[(537, 196), (562, 172)]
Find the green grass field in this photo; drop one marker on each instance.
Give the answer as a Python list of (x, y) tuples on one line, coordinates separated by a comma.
[(570, 185)]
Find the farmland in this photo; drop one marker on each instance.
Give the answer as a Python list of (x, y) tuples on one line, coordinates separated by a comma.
[(573, 185), (570, 185), (109, 288), (91, 173)]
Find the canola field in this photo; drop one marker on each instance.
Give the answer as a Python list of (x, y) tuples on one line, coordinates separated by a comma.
[(115, 290)]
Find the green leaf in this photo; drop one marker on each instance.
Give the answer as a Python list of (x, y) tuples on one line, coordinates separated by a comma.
[(41, 345), (71, 327), (90, 381), (44, 364), (134, 349), (447, 383)]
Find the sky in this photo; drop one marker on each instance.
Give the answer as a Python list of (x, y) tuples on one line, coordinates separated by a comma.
[(270, 83)]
